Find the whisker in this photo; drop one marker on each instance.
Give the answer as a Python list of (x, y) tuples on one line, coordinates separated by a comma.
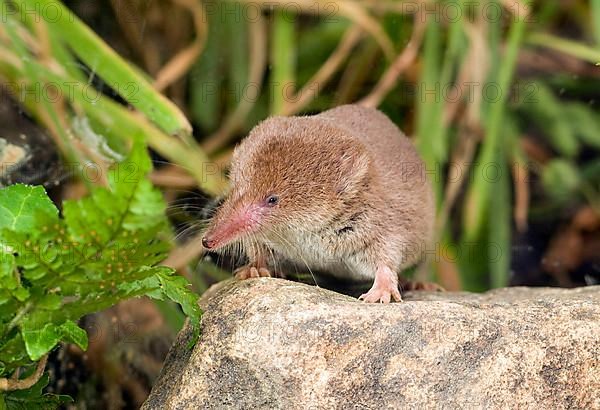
[(299, 254), (186, 231)]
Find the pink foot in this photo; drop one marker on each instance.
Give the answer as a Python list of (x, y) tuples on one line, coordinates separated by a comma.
[(384, 289), (426, 286), (246, 272)]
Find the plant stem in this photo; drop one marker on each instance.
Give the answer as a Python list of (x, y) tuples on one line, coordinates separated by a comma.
[(22, 312), (26, 383), (569, 47)]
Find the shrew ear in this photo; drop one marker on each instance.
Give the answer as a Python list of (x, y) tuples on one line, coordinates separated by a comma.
[(354, 163)]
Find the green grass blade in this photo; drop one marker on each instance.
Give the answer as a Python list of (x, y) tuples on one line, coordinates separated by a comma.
[(428, 103), (283, 56), (595, 9), (237, 36), (45, 111), (478, 196), (117, 73), (205, 90), (499, 239), (120, 121), (572, 48)]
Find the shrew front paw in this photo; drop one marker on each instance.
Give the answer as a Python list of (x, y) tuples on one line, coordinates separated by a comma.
[(382, 295), (248, 271), (384, 289)]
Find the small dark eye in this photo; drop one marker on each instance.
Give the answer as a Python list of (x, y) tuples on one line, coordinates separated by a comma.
[(272, 200)]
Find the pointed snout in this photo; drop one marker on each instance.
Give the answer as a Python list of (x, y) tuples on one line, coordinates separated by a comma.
[(208, 243), (238, 223), (220, 235)]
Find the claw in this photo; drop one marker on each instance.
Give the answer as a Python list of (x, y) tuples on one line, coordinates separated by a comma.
[(385, 288), (381, 295)]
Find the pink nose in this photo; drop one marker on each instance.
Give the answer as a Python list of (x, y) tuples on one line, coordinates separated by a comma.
[(208, 243)]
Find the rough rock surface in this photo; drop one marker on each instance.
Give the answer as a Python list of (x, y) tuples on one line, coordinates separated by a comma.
[(274, 344), (27, 154)]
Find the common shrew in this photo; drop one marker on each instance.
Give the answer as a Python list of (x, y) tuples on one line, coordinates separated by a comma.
[(343, 191)]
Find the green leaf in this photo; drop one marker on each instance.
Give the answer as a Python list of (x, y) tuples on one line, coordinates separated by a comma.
[(585, 123), (560, 178), (21, 294), (33, 398), (12, 351), (7, 270), (131, 204), (177, 289), (50, 302), (103, 251), (547, 112), (40, 338), (129, 173), (25, 208), (74, 334)]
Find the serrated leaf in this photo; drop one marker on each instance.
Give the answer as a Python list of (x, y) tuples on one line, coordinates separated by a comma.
[(12, 351), (25, 208), (132, 205), (125, 176), (50, 302), (89, 221), (5, 297), (34, 398), (146, 209), (178, 290), (20, 293), (103, 251), (40, 338), (72, 333)]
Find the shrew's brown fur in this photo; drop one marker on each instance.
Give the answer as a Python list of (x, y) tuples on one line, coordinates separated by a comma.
[(352, 190)]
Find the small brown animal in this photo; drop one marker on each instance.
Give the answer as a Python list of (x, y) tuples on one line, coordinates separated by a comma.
[(343, 191)]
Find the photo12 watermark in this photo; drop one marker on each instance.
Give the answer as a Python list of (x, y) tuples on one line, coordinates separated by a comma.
[(54, 91), (50, 12)]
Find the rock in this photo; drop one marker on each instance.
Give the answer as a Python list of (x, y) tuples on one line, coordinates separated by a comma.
[(27, 154), (274, 344)]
